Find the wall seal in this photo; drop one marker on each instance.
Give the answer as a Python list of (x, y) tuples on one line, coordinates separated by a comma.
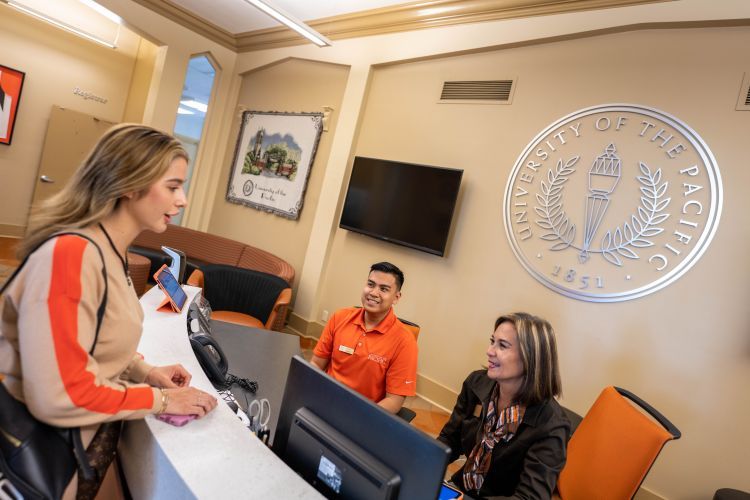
[(612, 202)]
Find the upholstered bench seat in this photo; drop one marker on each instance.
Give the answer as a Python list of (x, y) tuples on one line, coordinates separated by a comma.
[(203, 248)]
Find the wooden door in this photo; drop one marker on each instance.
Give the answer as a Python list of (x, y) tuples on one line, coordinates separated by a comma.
[(70, 137)]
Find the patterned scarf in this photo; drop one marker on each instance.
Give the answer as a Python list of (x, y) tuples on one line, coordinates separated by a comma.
[(498, 426)]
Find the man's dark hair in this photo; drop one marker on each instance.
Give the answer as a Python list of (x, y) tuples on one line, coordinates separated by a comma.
[(387, 267)]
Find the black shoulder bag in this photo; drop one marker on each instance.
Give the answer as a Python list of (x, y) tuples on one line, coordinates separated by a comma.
[(37, 461)]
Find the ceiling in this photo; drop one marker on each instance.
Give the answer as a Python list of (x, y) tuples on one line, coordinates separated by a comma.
[(239, 26), (238, 16)]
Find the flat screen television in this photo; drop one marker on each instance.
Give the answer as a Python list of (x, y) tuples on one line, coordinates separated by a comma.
[(404, 203), (348, 447)]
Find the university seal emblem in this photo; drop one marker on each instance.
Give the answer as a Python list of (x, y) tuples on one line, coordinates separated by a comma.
[(247, 188), (612, 202)]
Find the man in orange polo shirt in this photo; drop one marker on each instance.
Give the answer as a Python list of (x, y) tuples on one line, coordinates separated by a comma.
[(368, 348)]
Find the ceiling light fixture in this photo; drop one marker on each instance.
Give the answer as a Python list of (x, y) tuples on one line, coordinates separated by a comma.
[(60, 24), (91, 4), (190, 103), (291, 22)]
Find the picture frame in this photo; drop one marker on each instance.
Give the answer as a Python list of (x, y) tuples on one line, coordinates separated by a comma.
[(273, 158), (11, 84)]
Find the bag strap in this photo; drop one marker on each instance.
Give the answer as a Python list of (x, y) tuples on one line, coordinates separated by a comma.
[(85, 468), (102, 306)]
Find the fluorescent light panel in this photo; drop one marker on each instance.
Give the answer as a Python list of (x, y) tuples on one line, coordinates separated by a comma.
[(60, 24), (291, 22), (91, 4), (195, 105)]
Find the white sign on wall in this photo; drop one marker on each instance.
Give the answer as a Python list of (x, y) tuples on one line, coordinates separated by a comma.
[(612, 202)]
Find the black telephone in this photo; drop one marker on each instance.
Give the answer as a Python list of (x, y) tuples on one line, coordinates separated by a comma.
[(207, 350)]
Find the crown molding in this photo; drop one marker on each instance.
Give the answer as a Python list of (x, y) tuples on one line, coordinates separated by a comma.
[(398, 18), (194, 23), (422, 15)]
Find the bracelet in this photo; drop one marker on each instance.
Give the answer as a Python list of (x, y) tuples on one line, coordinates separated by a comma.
[(164, 401)]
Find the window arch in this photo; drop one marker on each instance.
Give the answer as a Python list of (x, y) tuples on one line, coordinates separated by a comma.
[(193, 108)]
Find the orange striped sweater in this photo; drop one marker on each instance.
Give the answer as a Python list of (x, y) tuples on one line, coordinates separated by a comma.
[(47, 327)]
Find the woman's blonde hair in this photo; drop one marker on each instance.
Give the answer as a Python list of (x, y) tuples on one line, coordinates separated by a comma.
[(129, 158), (538, 347)]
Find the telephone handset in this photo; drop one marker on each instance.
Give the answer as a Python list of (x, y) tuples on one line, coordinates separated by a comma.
[(207, 350)]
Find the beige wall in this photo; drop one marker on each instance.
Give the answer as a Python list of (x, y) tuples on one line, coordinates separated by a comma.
[(140, 83), (686, 348), (693, 367), (177, 45), (55, 62), (293, 85)]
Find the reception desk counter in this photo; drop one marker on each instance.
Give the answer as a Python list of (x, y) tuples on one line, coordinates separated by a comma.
[(213, 457)]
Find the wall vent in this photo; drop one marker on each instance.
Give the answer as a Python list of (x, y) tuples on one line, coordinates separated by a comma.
[(478, 91), (743, 100)]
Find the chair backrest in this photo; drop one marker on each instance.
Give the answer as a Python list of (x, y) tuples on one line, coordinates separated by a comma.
[(197, 245), (230, 288), (613, 448), (412, 327), (260, 260)]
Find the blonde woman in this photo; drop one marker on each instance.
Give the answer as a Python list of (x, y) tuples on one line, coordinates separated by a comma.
[(70, 367), (506, 420)]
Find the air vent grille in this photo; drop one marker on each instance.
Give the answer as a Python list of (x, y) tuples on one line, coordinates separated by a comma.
[(743, 99), (485, 90)]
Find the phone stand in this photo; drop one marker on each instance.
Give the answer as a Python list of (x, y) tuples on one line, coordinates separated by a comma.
[(174, 295), (166, 306)]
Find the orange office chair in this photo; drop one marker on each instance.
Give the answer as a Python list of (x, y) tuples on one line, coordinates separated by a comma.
[(407, 413), (412, 327), (613, 448), (243, 296)]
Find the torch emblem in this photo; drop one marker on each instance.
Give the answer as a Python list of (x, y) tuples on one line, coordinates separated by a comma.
[(612, 202), (604, 175)]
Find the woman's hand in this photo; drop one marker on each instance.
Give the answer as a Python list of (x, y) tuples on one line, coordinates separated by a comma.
[(189, 401), (168, 376)]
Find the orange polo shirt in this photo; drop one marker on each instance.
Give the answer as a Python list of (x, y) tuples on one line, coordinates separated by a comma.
[(372, 362)]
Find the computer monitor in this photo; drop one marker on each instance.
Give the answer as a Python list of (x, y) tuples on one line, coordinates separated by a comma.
[(348, 447)]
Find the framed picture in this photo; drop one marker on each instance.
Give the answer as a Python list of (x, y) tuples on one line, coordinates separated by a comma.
[(272, 160), (11, 83)]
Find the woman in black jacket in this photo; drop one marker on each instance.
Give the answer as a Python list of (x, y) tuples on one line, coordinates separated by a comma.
[(506, 420)]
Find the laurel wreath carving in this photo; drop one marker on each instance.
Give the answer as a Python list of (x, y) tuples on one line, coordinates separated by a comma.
[(642, 225), (553, 219)]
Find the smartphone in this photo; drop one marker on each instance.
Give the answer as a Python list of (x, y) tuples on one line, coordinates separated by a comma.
[(171, 288), (176, 420), (449, 493)]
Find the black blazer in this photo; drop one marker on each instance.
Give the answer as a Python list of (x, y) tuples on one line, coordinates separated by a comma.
[(527, 466)]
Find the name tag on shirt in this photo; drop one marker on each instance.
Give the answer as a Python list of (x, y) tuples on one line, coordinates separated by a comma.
[(347, 350)]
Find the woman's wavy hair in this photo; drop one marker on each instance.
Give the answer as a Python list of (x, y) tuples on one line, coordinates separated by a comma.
[(128, 158), (538, 348)]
